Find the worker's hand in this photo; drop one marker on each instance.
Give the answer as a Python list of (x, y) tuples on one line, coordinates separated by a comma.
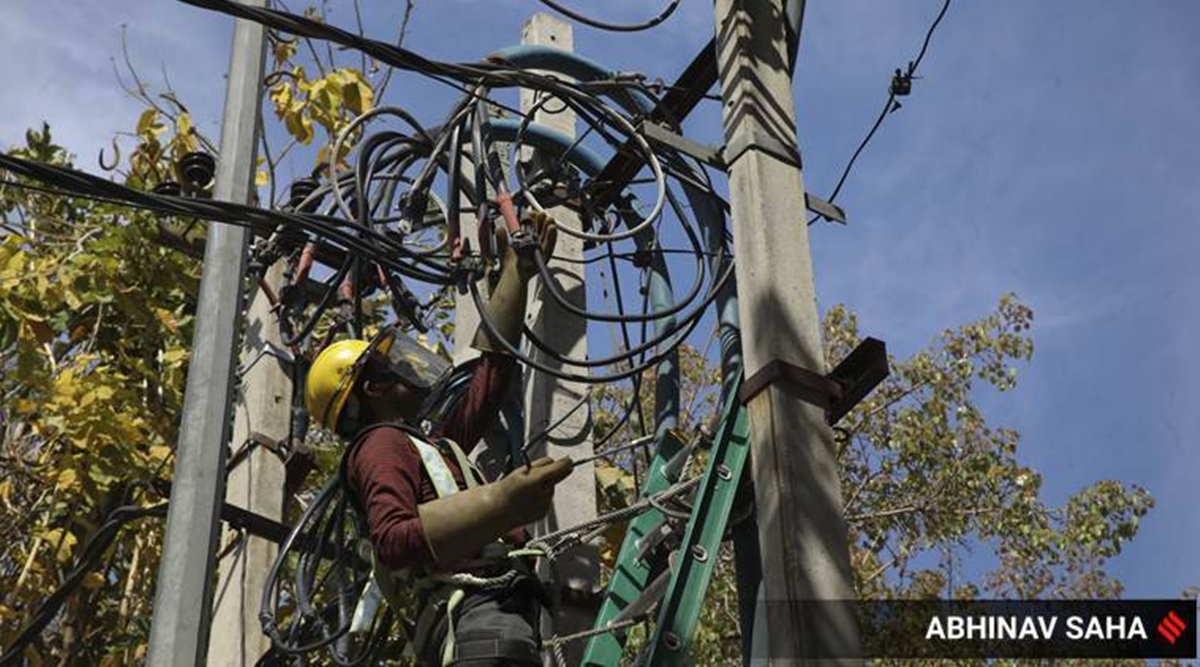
[(528, 491), (544, 231), (506, 304)]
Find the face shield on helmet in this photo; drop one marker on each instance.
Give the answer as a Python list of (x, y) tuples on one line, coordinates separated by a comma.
[(390, 356), (412, 363)]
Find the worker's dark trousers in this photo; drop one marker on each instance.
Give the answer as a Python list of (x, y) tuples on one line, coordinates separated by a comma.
[(493, 628)]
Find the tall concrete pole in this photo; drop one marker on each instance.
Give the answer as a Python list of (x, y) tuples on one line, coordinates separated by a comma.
[(495, 456), (255, 483), (180, 625), (801, 527), (547, 400)]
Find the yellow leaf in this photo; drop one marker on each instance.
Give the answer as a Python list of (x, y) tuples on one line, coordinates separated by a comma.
[(299, 126), (159, 453), (183, 123), (93, 580), (66, 479), (15, 266), (146, 122), (52, 538), (284, 50), (281, 97), (301, 78), (185, 134), (356, 91), (64, 386), (609, 476), (167, 319), (262, 178), (174, 357)]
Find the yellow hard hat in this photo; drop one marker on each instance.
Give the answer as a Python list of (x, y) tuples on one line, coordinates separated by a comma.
[(332, 376)]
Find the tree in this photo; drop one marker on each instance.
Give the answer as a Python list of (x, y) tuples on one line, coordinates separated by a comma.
[(926, 480), (96, 311), (96, 315)]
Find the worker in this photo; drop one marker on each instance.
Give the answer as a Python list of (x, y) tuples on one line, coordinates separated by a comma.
[(433, 522)]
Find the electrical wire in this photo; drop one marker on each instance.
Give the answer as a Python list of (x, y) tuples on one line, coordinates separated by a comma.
[(886, 111), (614, 27), (92, 552), (395, 215)]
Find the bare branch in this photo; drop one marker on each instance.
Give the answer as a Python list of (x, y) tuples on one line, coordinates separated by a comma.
[(361, 33), (387, 74), (312, 48)]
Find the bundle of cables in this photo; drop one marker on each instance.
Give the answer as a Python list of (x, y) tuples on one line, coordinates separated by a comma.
[(387, 214)]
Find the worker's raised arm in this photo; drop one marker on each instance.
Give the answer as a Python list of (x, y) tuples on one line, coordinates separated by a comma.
[(477, 409), (506, 306)]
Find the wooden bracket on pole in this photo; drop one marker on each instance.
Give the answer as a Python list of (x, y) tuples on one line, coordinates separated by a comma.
[(836, 393)]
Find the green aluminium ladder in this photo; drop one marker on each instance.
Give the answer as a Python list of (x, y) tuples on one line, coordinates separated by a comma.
[(630, 590), (681, 587)]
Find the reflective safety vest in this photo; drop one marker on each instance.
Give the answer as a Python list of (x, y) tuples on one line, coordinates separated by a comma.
[(443, 592)]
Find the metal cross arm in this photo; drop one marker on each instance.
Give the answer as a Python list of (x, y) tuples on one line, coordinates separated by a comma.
[(838, 392), (674, 106), (720, 158)]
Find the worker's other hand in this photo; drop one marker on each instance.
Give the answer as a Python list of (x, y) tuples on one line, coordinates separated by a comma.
[(544, 231), (528, 491)]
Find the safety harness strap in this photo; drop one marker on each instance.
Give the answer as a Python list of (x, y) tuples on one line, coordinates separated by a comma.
[(510, 650), (445, 591), (470, 474), (440, 473)]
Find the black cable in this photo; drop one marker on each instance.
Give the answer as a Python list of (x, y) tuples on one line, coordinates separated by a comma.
[(304, 539), (85, 183), (550, 285), (663, 337), (92, 551), (912, 68), (887, 109), (490, 326), (887, 106), (322, 306), (79, 183), (687, 322), (614, 27), (372, 245), (318, 573), (655, 264)]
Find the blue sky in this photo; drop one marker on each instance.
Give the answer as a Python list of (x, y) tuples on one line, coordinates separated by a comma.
[(1048, 150)]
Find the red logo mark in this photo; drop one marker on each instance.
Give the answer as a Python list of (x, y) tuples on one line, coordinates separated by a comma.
[(1171, 627)]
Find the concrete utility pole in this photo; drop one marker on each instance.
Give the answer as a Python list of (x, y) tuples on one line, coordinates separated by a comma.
[(255, 483), (496, 454), (801, 527), (547, 400), (180, 625)]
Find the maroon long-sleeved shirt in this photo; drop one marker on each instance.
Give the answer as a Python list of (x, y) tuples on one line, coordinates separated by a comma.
[(386, 476)]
